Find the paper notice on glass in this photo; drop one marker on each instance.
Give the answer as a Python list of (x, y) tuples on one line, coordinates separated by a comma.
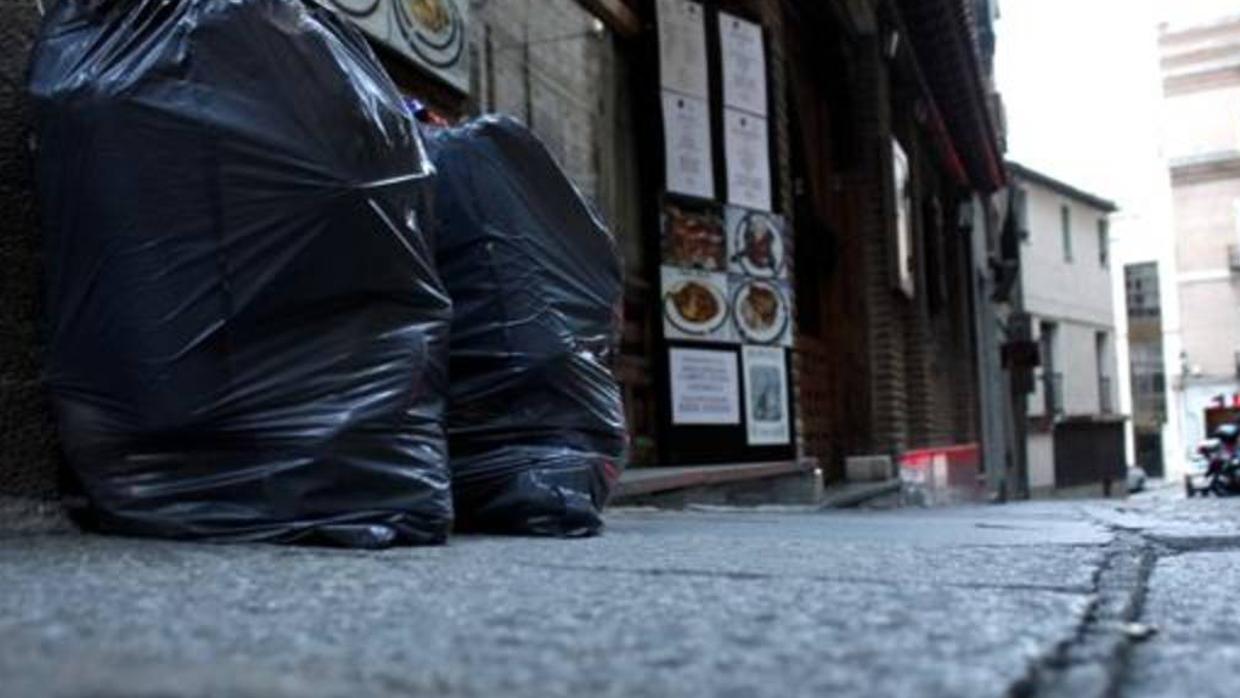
[(744, 64), (682, 47), (766, 396), (686, 136), (904, 219), (748, 156), (705, 387)]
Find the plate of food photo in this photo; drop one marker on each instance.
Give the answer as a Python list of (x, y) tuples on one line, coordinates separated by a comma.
[(695, 307), (761, 312), (433, 29), (694, 239)]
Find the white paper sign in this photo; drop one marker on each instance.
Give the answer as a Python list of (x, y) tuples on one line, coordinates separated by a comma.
[(904, 219), (766, 396), (744, 64), (682, 47), (686, 133), (705, 387), (748, 159)]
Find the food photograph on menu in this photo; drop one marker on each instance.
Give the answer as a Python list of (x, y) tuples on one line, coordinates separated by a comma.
[(761, 311), (695, 305), (757, 244), (693, 235)]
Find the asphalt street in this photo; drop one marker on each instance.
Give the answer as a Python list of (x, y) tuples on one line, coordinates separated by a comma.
[(1121, 598)]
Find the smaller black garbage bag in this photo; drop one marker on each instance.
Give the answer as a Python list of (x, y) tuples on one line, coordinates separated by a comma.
[(535, 420), (247, 337)]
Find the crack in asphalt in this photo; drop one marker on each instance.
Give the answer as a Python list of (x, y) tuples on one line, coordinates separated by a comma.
[(1175, 545), (1094, 660), (1075, 590)]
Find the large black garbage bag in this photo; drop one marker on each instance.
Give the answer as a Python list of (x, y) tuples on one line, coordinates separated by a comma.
[(535, 420), (246, 331)]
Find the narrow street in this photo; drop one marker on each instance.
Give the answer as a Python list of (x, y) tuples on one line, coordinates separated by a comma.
[(1131, 598)]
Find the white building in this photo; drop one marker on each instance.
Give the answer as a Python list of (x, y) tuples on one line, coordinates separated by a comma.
[(1075, 436), (1201, 100)]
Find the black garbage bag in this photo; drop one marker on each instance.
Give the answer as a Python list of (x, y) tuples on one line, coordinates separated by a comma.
[(246, 333), (535, 420)]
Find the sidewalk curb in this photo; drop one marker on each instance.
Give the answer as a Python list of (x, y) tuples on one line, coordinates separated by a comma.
[(855, 494)]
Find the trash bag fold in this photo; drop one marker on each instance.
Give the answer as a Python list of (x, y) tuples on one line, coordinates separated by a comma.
[(246, 334), (535, 419)]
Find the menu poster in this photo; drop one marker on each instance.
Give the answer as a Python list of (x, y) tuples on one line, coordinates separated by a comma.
[(744, 64), (747, 150), (695, 305), (682, 47), (767, 420), (705, 387), (686, 135)]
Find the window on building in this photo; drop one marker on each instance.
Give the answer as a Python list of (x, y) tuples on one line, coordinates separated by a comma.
[(1141, 288), (1104, 236), (1104, 379), (1052, 379), (1065, 224)]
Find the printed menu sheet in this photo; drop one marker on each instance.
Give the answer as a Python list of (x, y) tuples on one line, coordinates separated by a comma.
[(682, 48), (705, 387), (686, 135), (748, 155), (744, 64)]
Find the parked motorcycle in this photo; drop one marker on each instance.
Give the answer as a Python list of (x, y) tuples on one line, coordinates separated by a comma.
[(1219, 465)]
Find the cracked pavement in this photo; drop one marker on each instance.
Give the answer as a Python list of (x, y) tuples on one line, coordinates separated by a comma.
[(1044, 598)]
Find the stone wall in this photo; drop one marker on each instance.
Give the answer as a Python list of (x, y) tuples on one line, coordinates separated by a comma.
[(28, 452)]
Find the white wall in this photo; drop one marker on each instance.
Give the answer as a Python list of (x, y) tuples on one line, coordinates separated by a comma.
[(1076, 295), (1041, 453), (1079, 290)]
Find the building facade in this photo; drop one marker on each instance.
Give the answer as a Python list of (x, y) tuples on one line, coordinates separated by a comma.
[(883, 142), (1147, 351), (1201, 97), (1075, 437)]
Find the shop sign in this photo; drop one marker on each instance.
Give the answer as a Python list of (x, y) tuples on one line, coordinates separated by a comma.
[(431, 33)]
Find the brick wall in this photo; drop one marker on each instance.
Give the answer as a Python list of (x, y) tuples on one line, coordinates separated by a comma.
[(883, 308), (28, 450)]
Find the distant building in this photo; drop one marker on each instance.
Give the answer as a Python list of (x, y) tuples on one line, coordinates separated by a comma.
[(1075, 438), (1146, 363), (1201, 97)]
